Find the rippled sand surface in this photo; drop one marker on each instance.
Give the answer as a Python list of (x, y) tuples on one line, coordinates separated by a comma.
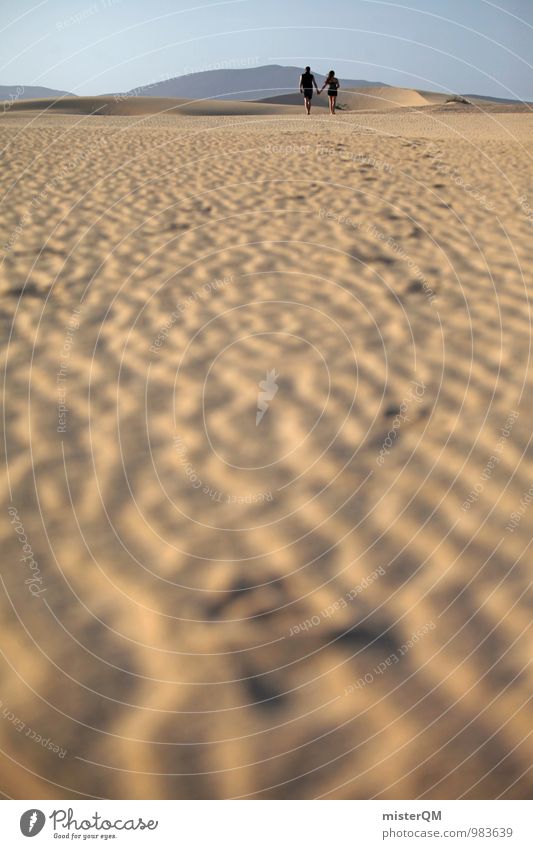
[(328, 599)]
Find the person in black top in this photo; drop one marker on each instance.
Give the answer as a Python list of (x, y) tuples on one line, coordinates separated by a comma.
[(307, 81), (333, 86)]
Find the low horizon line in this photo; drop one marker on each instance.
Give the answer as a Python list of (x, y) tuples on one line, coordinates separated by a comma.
[(212, 70)]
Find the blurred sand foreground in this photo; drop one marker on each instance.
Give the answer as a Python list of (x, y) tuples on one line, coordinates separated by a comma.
[(333, 602)]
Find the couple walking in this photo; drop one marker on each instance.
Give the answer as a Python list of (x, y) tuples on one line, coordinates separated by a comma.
[(307, 81)]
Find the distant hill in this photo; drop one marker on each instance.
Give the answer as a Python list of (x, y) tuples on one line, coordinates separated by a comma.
[(30, 92), (236, 84), (275, 84)]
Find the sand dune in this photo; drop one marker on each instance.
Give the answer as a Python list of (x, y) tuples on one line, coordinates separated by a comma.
[(385, 98), (320, 101), (371, 97), (327, 603), (136, 106)]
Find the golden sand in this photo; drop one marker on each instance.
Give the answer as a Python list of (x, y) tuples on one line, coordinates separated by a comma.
[(336, 609)]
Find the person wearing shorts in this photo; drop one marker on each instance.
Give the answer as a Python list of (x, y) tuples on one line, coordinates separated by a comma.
[(307, 81)]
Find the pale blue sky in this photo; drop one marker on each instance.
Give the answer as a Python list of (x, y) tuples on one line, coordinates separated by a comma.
[(96, 46)]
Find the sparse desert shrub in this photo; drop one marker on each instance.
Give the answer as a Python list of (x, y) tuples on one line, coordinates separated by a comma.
[(458, 98)]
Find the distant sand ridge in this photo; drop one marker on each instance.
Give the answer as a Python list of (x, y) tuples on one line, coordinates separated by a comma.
[(372, 98)]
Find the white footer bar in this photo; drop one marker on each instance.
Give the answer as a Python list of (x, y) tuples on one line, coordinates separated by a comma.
[(267, 824)]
